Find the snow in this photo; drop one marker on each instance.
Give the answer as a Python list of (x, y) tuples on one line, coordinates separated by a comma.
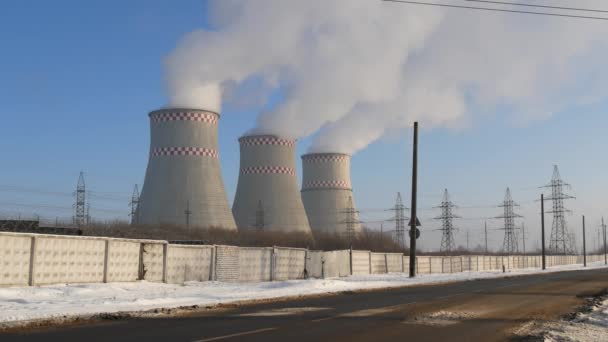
[(586, 327), (25, 304)]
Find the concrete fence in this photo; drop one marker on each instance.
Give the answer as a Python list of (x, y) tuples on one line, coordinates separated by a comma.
[(35, 259)]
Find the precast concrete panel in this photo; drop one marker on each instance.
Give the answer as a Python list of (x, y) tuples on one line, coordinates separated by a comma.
[(153, 257), (330, 265), (188, 263), (423, 264), (327, 191), (227, 263), (68, 260), (123, 260), (406, 262), (14, 259), (343, 263), (268, 179), (255, 264), (378, 263), (183, 184), (289, 263), (360, 261), (436, 264), (394, 262), (314, 264)]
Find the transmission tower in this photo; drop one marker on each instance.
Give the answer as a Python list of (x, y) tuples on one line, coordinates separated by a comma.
[(187, 214), (400, 221), (560, 237), (447, 225), (80, 215), (510, 243), (134, 204), (259, 216), (351, 219)]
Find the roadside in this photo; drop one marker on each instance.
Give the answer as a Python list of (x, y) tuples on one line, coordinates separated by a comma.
[(24, 306), (588, 324)]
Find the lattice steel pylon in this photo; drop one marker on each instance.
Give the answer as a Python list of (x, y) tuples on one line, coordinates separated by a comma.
[(134, 204), (510, 243), (259, 216), (447, 223), (351, 219), (400, 221), (80, 214), (560, 242)]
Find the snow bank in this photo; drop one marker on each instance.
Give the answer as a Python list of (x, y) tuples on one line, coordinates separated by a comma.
[(22, 304)]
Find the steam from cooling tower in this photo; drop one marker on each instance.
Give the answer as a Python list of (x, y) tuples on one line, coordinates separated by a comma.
[(356, 70)]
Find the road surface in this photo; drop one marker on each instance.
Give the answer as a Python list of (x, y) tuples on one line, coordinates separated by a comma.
[(481, 310)]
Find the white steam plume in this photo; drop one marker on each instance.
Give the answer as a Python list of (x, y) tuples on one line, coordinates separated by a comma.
[(357, 69)]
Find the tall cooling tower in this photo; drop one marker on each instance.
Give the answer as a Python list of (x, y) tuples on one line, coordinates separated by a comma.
[(267, 192), (183, 184), (327, 193)]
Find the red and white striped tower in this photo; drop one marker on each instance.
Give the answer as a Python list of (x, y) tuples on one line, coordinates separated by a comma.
[(183, 184), (268, 186), (326, 193)]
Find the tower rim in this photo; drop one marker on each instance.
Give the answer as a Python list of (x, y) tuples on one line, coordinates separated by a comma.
[(181, 109), (311, 155)]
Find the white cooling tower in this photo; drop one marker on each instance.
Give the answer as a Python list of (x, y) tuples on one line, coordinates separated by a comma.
[(327, 193), (267, 192), (183, 184)]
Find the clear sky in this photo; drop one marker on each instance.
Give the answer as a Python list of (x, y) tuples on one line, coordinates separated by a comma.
[(79, 77)]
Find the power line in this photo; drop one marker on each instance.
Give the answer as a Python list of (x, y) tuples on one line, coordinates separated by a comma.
[(539, 6), (496, 9)]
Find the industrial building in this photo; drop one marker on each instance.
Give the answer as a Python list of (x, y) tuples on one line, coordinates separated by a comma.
[(183, 184), (267, 195), (327, 194)]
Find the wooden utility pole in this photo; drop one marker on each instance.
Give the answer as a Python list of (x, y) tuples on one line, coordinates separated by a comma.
[(542, 224), (584, 245), (523, 235), (414, 194), (485, 228)]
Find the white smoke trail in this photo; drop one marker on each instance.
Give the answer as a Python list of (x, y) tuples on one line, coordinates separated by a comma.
[(357, 69)]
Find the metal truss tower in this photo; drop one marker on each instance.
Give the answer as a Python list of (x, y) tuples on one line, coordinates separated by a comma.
[(259, 216), (510, 243), (351, 219), (447, 225), (80, 212), (134, 204), (399, 219), (560, 242)]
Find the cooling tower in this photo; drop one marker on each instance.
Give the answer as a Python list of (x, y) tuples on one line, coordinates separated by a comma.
[(327, 193), (183, 183), (267, 194)]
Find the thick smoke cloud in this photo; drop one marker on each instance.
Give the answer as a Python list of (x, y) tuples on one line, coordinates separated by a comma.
[(353, 70)]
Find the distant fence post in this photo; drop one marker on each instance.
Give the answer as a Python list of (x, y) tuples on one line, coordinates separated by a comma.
[(386, 263), (212, 264), (273, 261), (31, 281), (141, 272), (306, 263), (165, 249), (105, 260), (350, 259), (370, 262)]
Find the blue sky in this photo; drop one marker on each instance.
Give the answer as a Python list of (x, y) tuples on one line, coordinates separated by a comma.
[(78, 79)]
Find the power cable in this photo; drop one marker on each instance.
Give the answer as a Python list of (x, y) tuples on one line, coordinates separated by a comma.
[(496, 9), (539, 6)]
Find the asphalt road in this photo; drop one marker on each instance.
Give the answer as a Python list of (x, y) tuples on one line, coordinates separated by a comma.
[(482, 310)]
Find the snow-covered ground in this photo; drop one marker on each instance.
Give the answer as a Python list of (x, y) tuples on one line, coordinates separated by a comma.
[(585, 327), (26, 304)]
